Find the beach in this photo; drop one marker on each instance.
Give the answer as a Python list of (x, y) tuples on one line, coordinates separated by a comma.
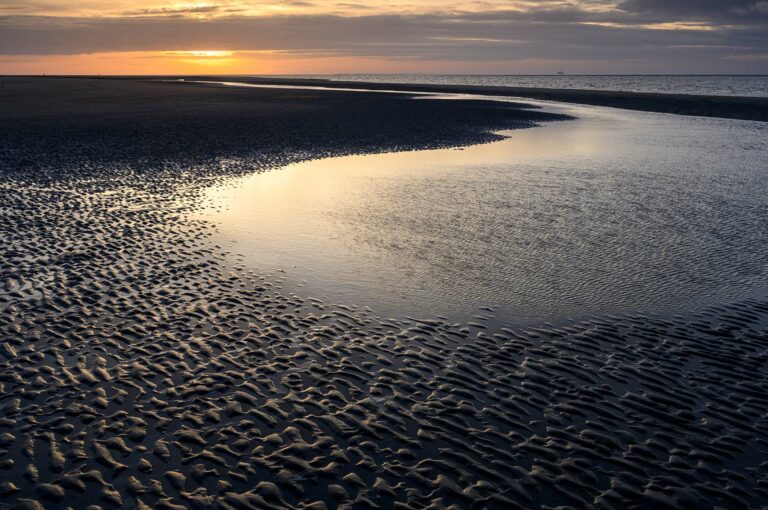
[(143, 366), (721, 106)]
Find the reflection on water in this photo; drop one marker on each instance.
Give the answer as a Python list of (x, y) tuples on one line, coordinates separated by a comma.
[(615, 212)]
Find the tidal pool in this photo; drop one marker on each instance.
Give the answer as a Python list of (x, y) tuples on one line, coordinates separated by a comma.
[(616, 212)]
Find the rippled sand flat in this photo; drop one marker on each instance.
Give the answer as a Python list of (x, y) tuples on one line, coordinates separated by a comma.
[(139, 370)]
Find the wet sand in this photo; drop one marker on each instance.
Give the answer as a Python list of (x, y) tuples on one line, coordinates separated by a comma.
[(49, 122), (138, 370), (728, 107), (744, 108)]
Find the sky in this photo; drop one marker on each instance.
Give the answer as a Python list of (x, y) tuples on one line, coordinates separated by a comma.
[(392, 36)]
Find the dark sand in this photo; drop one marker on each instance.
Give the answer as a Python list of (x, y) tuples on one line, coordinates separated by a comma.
[(728, 107), (49, 122), (138, 370)]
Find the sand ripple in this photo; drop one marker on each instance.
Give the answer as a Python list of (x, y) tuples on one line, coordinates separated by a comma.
[(137, 371)]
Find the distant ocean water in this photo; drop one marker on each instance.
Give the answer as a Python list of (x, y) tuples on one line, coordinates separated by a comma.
[(752, 86)]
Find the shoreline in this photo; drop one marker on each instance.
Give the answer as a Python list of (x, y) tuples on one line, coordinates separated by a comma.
[(737, 108)]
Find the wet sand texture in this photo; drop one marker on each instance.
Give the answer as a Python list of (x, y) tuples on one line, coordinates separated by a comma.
[(138, 370), (50, 122)]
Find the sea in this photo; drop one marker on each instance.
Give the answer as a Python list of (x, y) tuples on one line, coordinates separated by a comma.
[(710, 85)]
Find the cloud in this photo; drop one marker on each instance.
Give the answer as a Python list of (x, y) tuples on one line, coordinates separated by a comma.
[(744, 12), (197, 9), (558, 31), (761, 6)]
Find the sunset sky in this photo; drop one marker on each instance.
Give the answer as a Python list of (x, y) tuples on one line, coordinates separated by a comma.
[(365, 36)]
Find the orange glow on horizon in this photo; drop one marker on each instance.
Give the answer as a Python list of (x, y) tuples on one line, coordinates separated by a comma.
[(210, 61), (140, 62)]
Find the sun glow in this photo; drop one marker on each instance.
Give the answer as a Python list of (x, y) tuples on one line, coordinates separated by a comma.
[(203, 53), (205, 57)]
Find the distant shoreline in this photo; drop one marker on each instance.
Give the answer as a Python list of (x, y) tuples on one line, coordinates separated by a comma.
[(740, 108), (728, 107)]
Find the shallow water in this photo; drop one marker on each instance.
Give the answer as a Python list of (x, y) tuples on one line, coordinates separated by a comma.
[(615, 212)]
